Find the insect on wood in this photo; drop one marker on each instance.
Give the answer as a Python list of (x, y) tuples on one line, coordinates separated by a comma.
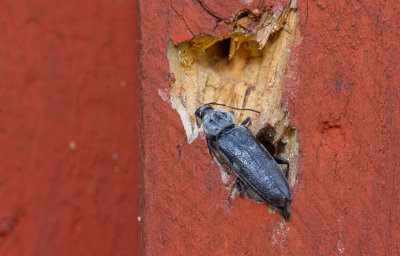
[(257, 172)]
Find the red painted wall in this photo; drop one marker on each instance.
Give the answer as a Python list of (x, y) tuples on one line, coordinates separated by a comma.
[(68, 128), (341, 88)]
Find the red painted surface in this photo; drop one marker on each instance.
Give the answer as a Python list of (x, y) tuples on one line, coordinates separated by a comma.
[(342, 93), (68, 128)]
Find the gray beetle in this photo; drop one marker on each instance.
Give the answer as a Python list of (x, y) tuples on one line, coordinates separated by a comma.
[(258, 174)]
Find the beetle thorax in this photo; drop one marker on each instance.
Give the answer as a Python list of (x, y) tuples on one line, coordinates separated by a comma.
[(216, 121)]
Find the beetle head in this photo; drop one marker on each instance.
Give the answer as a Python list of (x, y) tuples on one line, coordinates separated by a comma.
[(201, 112), (214, 120)]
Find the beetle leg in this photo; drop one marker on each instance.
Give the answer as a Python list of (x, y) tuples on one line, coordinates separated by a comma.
[(231, 184), (211, 151), (246, 121), (210, 148), (281, 160), (231, 180), (239, 186)]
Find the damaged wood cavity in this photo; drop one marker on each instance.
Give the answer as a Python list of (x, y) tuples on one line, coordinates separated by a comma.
[(243, 69)]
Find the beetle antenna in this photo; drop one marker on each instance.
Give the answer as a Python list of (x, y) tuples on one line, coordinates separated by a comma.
[(219, 104)]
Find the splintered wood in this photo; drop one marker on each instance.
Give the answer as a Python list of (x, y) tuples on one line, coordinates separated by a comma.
[(243, 69)]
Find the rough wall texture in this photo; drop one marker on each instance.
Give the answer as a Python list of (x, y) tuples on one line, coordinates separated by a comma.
[(341, 91), (68, 128)]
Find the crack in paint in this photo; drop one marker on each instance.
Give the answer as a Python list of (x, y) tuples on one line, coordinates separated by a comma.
[(181, 16)]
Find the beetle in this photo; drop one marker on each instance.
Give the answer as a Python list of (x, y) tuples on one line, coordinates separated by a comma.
[(257, 172)]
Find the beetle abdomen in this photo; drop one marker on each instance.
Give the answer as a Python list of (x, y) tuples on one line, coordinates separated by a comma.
[(254, 165)]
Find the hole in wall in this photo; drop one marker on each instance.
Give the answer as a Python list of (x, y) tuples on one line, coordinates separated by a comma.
[(219, 51), (266, 137), (243, 69)]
